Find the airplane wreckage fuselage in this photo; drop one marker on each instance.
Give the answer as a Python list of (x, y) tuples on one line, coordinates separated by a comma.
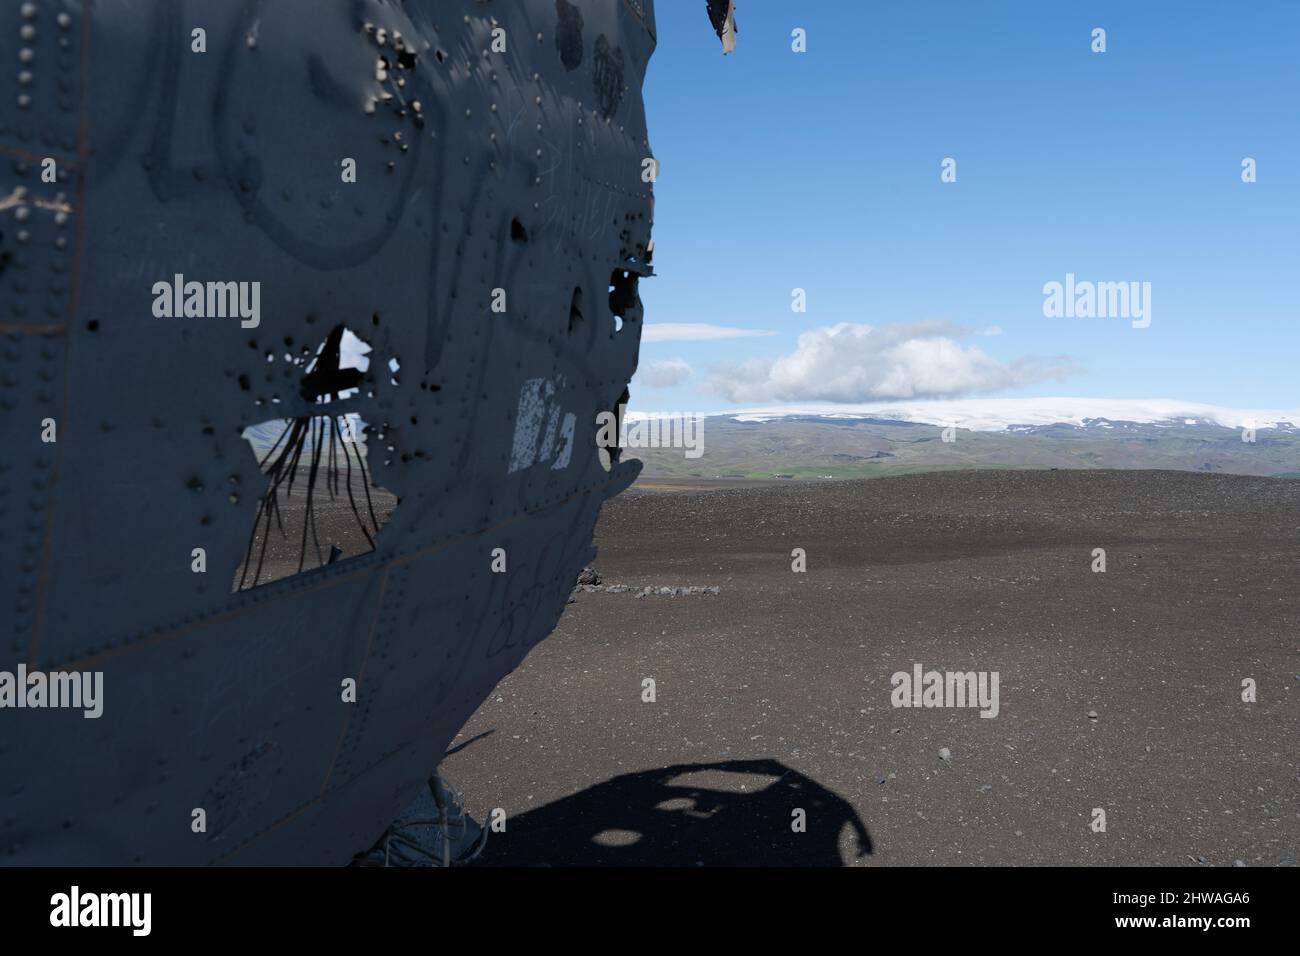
[(308, 313)]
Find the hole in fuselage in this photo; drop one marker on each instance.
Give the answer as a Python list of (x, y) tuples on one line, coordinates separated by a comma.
[(321, 505), (622, 295)]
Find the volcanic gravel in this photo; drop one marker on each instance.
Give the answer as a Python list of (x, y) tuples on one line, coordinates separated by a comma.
[(1119, 691)]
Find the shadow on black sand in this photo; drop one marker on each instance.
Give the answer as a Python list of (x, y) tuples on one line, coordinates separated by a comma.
[(730, 813)]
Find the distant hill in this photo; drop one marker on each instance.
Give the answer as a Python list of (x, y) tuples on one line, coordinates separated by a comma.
[(266, 436), (865, 441)]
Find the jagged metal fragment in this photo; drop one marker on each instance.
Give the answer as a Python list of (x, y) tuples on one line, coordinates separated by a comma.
[(722, 14)]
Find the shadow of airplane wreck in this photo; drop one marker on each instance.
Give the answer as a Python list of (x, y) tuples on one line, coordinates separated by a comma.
[(730, 813)]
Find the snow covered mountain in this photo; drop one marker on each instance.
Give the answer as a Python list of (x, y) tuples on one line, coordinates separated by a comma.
[(862, 441), (1017, 414)]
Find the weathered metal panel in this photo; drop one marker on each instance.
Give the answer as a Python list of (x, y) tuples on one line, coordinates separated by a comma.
[(520, 170)]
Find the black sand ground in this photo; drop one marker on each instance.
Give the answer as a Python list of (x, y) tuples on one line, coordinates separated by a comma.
[(774, 695), (347, 522)]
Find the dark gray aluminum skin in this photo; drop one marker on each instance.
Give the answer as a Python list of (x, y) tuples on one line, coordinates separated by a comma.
[(225, 166)]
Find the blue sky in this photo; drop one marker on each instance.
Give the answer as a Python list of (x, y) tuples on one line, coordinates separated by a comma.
[(821, 171)]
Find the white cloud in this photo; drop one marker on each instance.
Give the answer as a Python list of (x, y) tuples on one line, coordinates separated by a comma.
[(663, 374), (856, 363), (694, 332)]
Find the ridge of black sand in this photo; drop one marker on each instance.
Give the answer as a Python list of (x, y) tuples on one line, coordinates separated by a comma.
[(985, 571)]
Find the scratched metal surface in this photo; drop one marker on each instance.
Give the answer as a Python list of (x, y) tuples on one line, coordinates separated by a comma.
[(522, 170)]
